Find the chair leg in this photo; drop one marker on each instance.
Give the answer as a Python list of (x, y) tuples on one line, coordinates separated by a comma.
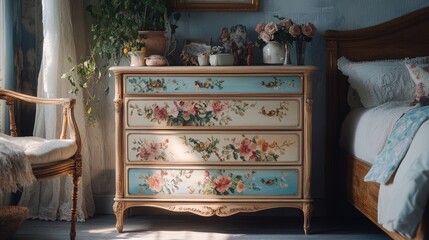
[(75, 179), (74, 207)]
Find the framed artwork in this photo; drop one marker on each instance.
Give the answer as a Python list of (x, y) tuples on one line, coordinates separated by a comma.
[(217, 5)]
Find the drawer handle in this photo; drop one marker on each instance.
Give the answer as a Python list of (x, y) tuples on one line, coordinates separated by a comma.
[(210, 84), (272, 84), (279, 112), (277, 83), (269, 113), (155, 84)]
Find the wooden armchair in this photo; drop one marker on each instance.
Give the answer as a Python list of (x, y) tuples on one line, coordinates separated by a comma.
[(50, 157)]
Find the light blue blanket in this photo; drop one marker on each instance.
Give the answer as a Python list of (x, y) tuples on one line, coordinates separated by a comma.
[(397, 145)]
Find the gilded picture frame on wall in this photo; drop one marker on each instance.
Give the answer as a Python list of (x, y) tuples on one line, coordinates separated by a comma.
[(217, 5)]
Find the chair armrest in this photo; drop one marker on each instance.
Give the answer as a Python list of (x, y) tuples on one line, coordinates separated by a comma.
[(69, 121), (12, 96)]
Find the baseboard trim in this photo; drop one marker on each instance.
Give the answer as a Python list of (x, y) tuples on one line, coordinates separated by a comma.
[(103, 203)]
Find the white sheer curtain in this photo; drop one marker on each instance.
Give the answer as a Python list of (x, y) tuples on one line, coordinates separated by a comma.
[(51, 200)]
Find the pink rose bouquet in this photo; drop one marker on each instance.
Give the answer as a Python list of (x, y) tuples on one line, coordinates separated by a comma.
[(285, 31)]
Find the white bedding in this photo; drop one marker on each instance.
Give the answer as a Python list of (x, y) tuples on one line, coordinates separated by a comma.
[(365, 130), (401, 203)]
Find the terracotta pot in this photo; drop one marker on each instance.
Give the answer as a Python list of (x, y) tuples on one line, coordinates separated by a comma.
[(155, 42)]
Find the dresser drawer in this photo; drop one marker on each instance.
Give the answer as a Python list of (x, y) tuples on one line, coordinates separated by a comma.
[(214, 147), (153, 84), (249, 113), (215, 183)]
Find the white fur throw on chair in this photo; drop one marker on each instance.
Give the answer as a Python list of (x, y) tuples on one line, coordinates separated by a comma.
[(15, 168)]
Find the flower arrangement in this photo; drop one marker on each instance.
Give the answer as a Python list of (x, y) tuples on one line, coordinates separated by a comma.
[(285, 31), (134, 45), (218, 49)]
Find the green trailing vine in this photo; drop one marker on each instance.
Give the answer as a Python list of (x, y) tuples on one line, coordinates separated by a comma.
[(115, 23)]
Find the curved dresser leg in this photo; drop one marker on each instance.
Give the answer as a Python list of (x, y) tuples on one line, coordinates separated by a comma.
[(118, 209), (307, 209)]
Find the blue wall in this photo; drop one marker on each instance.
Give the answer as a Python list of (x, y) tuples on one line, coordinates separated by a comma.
[(325, 14)]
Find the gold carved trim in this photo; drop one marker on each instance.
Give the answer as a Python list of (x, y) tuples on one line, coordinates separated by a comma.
[(218, 210), (118, 104)]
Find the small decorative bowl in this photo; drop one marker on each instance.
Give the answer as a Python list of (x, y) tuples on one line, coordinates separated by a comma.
[(221, 59), (156, 60)]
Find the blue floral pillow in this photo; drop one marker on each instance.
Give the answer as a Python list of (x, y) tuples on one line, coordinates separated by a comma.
[(420, 75)]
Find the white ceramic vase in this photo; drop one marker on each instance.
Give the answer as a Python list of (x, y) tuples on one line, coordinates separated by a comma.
[(273, 53), (203, 60), (137, 58), (221, 59)]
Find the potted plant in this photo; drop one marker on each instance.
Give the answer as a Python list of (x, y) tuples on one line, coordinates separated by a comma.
[(116, 23)]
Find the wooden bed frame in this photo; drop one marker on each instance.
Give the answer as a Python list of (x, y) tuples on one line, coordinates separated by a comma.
[(405, 36)]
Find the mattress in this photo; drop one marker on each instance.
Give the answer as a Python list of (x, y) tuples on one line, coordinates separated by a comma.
[(365, 130), (401, 202)]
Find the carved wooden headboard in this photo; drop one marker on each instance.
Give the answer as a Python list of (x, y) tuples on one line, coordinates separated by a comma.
[(405, 36)]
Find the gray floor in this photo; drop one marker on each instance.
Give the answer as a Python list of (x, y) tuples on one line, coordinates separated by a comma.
[(178, 227)]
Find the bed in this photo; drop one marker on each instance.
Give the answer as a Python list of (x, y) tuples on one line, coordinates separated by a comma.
[(404, 37)]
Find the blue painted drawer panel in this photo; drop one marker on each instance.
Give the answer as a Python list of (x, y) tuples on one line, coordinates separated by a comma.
[(214, 183), (213, 84)]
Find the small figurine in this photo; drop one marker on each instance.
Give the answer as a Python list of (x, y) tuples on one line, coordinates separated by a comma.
[(236, 42), (225, 39), (187, 59), (238, 35), (249, 53), (234, 50)]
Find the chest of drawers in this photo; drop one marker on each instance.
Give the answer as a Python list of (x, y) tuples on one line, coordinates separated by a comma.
[(213, 140)]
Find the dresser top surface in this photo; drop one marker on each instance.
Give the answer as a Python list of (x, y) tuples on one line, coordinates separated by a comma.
[(266, 69)]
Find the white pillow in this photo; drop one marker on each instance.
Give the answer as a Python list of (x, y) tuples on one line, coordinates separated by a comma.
[(420, 75), (353, 98), (380, 81)]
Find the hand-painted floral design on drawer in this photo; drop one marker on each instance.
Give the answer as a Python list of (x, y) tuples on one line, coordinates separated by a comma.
[(214, 84), (214, 147), (193, 183), (249, 113)]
